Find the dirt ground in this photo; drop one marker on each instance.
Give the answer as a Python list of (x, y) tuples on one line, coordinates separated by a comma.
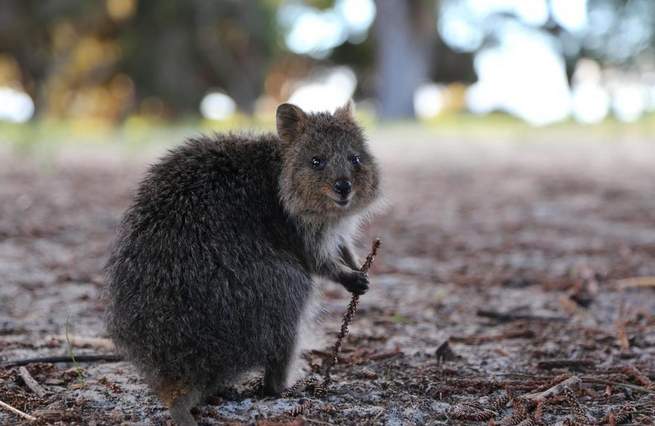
[(507, 267)]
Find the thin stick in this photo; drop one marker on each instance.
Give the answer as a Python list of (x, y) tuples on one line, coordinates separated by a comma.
[(318, 422), (321, 388), (31, 383), (17, 411), (553, 391), (509, 317), (617, 384), (65, 358), (636, 282), (81, 341), (348, 316), (565, 363)]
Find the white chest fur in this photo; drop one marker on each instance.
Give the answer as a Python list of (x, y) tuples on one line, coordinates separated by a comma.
[(323, 243)]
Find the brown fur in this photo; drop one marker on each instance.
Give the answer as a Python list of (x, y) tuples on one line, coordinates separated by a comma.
[(335, 137), (212, 271)]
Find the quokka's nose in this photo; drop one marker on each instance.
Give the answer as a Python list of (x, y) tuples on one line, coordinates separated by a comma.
[(343, 187)]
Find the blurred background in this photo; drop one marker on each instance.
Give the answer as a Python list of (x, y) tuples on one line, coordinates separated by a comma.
[(98, 64)]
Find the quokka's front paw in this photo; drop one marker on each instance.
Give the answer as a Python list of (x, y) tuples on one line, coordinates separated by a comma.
[(355, 282)]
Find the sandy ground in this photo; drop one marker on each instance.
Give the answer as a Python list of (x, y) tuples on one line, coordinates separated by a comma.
[(503, 272)]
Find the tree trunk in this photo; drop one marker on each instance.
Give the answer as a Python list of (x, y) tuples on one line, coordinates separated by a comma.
[(405, 33)]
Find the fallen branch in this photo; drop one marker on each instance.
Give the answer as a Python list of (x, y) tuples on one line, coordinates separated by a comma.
[(565, 363), (17, 411), (479, 339), (31, 383), (553, 391), (509, 317), (65, 358), (636, 282)]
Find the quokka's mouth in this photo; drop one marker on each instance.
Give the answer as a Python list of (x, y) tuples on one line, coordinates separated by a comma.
[(341, 202)]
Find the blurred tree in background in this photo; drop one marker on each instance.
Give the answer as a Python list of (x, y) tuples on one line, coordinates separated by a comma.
[(129, 54), (406, 36), (177, 49), (110, 59)]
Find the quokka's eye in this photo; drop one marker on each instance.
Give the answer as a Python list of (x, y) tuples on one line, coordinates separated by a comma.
[(355, 160), (318, 163)]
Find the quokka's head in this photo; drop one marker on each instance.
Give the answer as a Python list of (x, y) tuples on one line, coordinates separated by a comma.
[(328, 171)]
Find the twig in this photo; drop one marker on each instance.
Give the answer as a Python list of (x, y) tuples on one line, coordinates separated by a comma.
[(521, 333), (553, 391), (333, 358), (621, 385), (348, 317), (82, 341), (31, 383), (317, 422), (509, 317), (17, 411), (636, 282), (564, 363), (65, 358)]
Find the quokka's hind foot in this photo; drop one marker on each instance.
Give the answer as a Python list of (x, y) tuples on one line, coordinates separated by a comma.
[(276, 373), (180, 400)]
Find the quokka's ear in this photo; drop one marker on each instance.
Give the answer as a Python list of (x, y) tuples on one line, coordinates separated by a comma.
[(291, 121), (346, 112)]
